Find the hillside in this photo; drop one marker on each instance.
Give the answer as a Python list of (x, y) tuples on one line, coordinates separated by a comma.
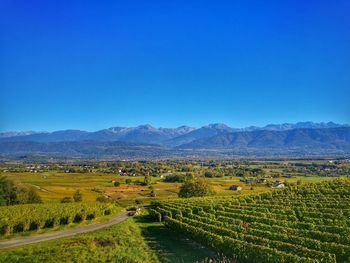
[(332, 138)]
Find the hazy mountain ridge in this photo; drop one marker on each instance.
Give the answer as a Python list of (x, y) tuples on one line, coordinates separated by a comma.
[(148, 134), (226, 142), (326, 138), (142, 134)]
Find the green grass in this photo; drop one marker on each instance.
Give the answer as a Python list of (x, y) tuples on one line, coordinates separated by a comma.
[(169, 246), (120, 243)]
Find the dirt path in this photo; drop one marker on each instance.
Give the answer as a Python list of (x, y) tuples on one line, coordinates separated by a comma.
[(63, 233)]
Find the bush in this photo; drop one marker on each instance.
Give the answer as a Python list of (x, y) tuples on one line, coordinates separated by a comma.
[(102, 199), (138, 202), (128, 181), (208, 174), (64, 220), (78, 218), (116, 184), (153, 193), (67, 199), (78, 197), (195, 188)]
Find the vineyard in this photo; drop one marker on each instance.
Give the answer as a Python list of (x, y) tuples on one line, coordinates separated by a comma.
[(307, 223), (30, 217)]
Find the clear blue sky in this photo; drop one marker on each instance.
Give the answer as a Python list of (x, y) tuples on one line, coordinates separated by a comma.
[(96, 64)]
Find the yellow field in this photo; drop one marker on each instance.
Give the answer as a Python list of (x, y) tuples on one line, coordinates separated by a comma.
[(53, 186)]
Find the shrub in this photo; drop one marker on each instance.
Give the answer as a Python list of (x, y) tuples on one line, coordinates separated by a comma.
[(67, 199), (102, 199), (128, 181), (78, 197)]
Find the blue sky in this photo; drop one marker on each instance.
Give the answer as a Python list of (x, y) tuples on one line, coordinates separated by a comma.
[(96, 64)]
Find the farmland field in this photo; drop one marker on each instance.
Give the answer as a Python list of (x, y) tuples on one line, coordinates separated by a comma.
[(53, 186), (308, 223), (33, 217)]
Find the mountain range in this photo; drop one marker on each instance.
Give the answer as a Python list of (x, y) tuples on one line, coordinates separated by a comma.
[(301, 137)]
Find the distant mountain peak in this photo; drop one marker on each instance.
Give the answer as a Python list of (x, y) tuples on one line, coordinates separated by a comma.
[(219, 126), (146, 127)]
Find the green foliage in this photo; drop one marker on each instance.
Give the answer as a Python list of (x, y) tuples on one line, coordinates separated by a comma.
[(128, 181), (102, 199), (8, 194), (116, 184), (195, 188), (28, 196), (179, 177), (147, 180), (21, 218), (77, 196), (138, 202), (67, 199)]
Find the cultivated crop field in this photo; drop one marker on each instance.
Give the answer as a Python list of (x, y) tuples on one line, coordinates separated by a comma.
[(307, 223), (32, 217)]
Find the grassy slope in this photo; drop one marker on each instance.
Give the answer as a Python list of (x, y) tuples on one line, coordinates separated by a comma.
[(170, 246), (120, 243)]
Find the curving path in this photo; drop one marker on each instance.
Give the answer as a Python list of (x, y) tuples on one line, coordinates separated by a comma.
[(63, 233)]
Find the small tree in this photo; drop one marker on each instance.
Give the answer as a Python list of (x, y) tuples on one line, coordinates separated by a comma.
[(7, 192), (128, 181), (195, 188), (78, 197), (147, 180), (116, 184)]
